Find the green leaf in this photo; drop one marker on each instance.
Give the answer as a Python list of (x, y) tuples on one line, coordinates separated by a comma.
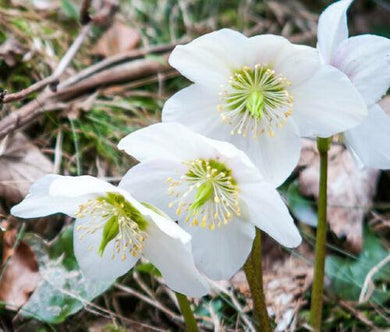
[(348, 274), (63, 290), (70, 9), (148, 268)]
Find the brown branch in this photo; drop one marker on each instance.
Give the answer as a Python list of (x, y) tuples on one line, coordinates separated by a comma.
[(115, 60), (54, 78), (104, 15), (45, 101), (118, 74)]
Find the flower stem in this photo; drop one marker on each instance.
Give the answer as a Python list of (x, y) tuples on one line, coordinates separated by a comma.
[(254, 274), (187, 313), (323, 145)]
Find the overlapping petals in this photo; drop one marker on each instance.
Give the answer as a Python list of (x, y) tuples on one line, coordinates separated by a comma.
[(105, 250), (365, 59), (208, 187), (261, 92)]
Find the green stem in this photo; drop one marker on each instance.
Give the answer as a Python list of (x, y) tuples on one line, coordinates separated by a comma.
[(187, 313), (323, 145), (254, 274)]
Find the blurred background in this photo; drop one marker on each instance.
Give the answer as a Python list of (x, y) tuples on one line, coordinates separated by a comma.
[(101, 69)]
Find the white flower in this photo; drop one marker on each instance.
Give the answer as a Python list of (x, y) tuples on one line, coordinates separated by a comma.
[(212, 188), (365, 59), (261, 94), (112, 230)]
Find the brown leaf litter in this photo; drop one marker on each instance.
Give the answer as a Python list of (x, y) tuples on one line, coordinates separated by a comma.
[(20, 274), (21, 163)]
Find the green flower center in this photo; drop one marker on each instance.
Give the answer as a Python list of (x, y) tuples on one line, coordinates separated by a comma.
[(119, 221), (256, 101), (207, 194)]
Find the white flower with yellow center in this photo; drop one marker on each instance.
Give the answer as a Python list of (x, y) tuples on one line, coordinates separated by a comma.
[(365, 59), (113, 230), (261, 94), (212, 189)]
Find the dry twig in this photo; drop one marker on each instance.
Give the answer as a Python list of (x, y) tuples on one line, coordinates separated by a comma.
[(367, 288)]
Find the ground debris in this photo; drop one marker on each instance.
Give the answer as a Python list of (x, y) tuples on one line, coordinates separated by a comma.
[(21, 163), (20, 274)]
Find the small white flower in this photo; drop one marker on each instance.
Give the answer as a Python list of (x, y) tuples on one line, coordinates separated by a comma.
[(212, 188), (112, 230), (261, 94), (365, 59)]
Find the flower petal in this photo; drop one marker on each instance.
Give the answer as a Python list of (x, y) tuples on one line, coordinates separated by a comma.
[(194, 107), (94, 266), (147, 182), (297, 63), (220, 253), (332, 29), (327, 104), (268, 212), (370, 141), (365, 59), (166, 141), (73, 186), (275, 157), (210, 59), (264, 49), (168, 247), (39, 202)]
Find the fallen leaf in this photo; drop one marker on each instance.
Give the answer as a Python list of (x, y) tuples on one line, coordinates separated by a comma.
[(350, 191), (20, 273), (348, 275), (62, 289), (21, 163), (117, 39)]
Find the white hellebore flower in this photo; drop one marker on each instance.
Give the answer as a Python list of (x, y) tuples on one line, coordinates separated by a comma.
[(212, 188), (112, 230), (261, 94), (365, 59)]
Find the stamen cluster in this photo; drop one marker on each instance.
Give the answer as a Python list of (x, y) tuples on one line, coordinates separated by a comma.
[(206, 193), (255, 101), (120, 222)]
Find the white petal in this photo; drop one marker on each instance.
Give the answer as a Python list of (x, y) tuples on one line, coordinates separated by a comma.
[(194, 107), (276, 157), (332, 28), (168, 247), (297, 63), (73, 186), (327, 104), (39, 203), (268, 212), (147, 182), (243, 169), (166, 141), (42, 185), (365, 59), (220, 253), (211, 58), (264, 49), (370, 141), (94, 266)]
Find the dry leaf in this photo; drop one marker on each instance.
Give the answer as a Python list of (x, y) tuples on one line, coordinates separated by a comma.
[(350, 191), (20, 275), (21, 163), (117, 39)]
